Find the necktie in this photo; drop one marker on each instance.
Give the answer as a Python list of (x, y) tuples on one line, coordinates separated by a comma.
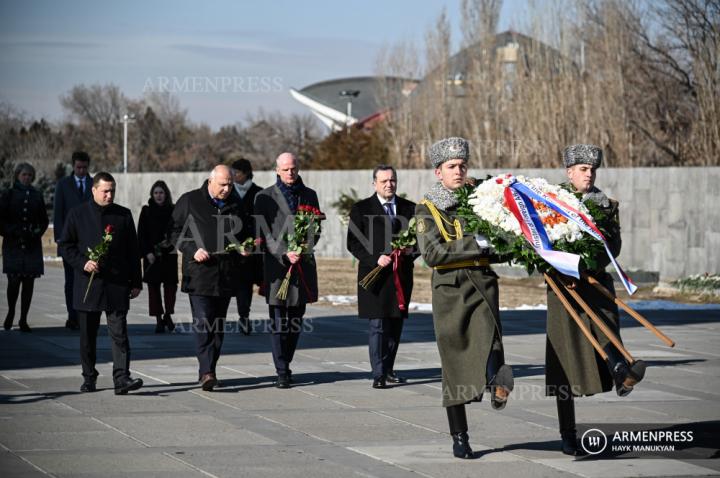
[(389, 209), (81, 189)]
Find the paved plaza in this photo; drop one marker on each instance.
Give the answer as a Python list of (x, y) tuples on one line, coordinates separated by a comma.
[(331, 423)]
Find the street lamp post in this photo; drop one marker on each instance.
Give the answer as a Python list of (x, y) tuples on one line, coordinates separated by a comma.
[(349, 94), (127, 118)]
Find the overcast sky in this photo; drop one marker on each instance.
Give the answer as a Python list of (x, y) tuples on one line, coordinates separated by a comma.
[(223, 59)]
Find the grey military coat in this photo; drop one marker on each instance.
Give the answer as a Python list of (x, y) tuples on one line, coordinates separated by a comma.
[(465, 305), (571, 364)]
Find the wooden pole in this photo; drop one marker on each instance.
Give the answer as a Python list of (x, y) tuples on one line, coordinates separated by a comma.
[(632, 312), (576, 317), (602, 325)]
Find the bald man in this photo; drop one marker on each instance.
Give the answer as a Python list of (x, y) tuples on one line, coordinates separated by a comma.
[(275, 208), (205, 221)]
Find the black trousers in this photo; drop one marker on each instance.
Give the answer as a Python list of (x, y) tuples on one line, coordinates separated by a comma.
[(244, 298), (208, 314), (155, 298), (285, 327), (69, 281), (117, 330), (384, 341)]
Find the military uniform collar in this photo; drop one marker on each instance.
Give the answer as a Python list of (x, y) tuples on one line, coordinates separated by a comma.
[(442, 197)]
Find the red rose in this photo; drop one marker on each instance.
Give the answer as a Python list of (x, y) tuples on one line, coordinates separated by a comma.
[(109, 229)]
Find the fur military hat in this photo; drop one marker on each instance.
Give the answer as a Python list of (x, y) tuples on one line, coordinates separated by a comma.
[(447, 149), (582, 154)]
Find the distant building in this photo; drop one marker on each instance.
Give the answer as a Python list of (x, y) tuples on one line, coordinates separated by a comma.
[(333, 102), (376, 96)]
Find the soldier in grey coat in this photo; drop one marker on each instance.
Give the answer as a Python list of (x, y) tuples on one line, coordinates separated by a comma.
[(275, 209), (572, 367), (464, 296)]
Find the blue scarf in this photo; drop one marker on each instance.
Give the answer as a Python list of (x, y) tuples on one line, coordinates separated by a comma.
[(291, 192)]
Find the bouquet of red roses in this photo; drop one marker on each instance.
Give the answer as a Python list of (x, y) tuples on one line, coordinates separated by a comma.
[(98, 252), (306, 225)]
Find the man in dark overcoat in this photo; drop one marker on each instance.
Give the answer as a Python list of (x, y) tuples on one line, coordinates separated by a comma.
[(275, 209), (464, 296), (104, 285), (205, 221), (251, 266), (374, 222), (71, 191), (572, 367)]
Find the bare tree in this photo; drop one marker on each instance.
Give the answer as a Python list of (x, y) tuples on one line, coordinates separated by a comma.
[(98, 108), (641, 79)]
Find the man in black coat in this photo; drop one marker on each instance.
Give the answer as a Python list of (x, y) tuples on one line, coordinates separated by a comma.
[(71, 191), (205, 221), (251, 272), (373, 222), (103, 285), (275, 210)]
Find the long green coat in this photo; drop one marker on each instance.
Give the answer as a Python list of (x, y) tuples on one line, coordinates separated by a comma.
[(571, 364), (465, 308)]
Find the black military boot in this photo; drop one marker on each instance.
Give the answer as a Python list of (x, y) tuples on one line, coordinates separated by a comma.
[(461, 446), (457, 420), (624, 375), (566, 419)]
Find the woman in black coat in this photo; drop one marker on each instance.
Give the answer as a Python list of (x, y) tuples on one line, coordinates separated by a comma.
[(160, 265), (23, 221)]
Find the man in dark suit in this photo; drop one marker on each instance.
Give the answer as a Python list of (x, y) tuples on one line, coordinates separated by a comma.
[(69, 192), (275, 208), (251, 272), (373, 222), (205, 221), (103, 285)]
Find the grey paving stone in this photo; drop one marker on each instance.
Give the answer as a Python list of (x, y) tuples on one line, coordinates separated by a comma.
[(331, 423)]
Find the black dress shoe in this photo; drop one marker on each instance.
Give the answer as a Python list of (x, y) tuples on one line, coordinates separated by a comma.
[(88, 386), (379, 382), (461, 446), (283, 381), (127, 384), (72, 324), (392, 377), (208, 382), (7, 325), (159, 325), (168, 321), (24, 327), (245, 326)]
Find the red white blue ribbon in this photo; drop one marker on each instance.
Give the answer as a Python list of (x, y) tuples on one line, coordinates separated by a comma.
[(529, 191), (534, 231)]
